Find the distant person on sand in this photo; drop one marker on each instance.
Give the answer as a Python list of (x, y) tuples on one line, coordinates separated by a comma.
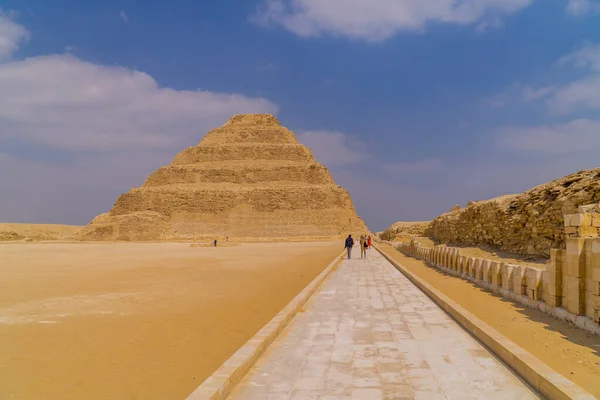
[(348, 245), (369, 241), (363, 247), (215, 242)]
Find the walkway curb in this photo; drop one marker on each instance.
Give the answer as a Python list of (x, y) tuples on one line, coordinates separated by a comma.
[(538, 375), (221, 383)]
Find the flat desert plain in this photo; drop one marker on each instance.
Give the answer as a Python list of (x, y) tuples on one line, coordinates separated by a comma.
[(137, 320)]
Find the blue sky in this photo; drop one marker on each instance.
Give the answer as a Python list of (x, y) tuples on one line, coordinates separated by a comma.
[(415, 106)]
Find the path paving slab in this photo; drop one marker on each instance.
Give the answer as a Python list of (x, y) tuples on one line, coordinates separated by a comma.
[(370, 334)]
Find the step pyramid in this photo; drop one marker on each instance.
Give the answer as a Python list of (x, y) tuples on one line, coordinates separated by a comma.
[(249, 178)]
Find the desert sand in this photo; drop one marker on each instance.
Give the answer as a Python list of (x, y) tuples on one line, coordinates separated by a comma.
[(138, 321), (568, 350)]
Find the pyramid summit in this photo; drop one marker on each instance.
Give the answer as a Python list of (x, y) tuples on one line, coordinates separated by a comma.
[(249, 178)]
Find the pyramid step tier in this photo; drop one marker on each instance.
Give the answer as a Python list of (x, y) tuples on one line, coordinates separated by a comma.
[(232, 152), (240, 174), (270, 135), (167, 200)]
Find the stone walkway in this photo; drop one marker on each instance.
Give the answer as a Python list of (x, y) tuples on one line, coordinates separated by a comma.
[(370, 334)]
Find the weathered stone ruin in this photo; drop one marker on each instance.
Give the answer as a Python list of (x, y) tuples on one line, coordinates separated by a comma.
[(567, 287), (528, 223), (248, 178), (402, 231)]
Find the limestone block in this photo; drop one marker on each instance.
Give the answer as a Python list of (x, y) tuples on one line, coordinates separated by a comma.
[(479, 269), (574, 295), (466, 264), (589, 209), (486, 271), (533, 278), (460, 265), (495, 272), (581, 220), (519, 282), (596, 220), (453, 256), (553, 301), (507, 277), (471, 266), (588, 231), (574, 260), (593, 287), (445, 255), (567, 219)]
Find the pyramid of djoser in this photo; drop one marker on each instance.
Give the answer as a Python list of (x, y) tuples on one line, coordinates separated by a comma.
[(248, 178)]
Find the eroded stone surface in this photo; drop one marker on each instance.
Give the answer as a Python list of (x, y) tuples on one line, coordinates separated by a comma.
[(370, 334), (249, 178)]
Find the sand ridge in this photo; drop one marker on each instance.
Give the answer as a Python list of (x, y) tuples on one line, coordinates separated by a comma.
[(17, 232)]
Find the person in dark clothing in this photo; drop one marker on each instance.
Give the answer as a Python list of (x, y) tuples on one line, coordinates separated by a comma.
[(215, 242), (348, 245)]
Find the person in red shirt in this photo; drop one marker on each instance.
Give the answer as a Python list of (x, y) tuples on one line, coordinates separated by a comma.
[(369, 242)]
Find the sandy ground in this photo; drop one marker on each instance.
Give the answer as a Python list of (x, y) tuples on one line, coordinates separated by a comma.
[(568, 350), (137, 321)]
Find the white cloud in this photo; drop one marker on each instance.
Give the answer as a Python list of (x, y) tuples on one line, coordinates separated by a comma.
[(578, 136), (11, 35), (333, 148), (582, 7), (63, 101), (105, 128), (377, 20), (530, 93), (583, 93), (124, 17), (579, 94), (421, 167), (588, 56)]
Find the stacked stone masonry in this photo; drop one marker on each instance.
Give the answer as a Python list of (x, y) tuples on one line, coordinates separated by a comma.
[(248, 178), (568, 288), (527, 223)]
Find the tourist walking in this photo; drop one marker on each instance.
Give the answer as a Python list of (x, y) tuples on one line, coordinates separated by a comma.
[(363, 247), (348, 245), (215, 242), (369, 242)]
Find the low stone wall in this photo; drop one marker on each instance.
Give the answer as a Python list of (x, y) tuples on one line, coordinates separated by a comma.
[(568, 288)]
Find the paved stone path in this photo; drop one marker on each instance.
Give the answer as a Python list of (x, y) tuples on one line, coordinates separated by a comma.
[(370, 334)]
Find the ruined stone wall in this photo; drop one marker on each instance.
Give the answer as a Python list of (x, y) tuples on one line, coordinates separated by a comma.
[(567, 288), (404, 230), (527, 223)]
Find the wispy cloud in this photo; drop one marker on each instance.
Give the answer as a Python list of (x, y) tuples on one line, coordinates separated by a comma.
[(582, 135), (582, 93), (111, 124), (82, 105), (583, 7), (333, 148), (124, 16), (11, 34), (378, 20)]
